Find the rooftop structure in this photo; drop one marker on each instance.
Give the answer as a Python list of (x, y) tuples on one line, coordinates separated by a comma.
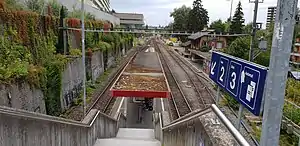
[(130, 20)]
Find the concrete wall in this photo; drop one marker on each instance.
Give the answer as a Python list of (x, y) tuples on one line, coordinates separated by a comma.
[(189, 134), (22, 96), (97, 65), (72, 79), (22, 128), (206, 130), (111, 60)]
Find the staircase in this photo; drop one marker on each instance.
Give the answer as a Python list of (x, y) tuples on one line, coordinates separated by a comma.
[(131, 137)]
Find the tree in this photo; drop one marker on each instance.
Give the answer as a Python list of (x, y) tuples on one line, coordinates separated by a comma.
[(237, 23), (180, 16), (218, 26), (35, 5), (170, 26), (60, 43), (76, 13), (198, 17), (248, 28), (55, 7), (14, 5), (239, 48)]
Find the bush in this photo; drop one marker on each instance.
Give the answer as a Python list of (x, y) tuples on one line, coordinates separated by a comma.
[(75, 52), (239, 47), (205, 48)]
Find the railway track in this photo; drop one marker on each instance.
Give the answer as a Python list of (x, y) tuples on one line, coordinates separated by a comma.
[(105, 101), (205, 95), (179, 103)]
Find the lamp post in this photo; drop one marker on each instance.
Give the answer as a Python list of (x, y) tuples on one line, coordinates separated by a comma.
[(83, 56), (230, 15)]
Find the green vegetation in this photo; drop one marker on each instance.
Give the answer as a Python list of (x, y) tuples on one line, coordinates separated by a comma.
[(239, 48), (29, 51), (237, 22), (218, 26), (191, 19), (181, 16)]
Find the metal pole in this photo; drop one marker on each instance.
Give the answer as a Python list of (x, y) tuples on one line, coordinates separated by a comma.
[(241, 108), (240, 114), (230, 17), (218, 96), (278, 71), (83, 56), (253, 31)]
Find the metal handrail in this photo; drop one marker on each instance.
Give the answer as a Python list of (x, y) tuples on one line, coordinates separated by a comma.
[(39, 116), (195, 114), (188, 117), (236, 134)]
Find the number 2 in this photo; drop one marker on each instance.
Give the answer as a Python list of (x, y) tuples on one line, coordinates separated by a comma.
[(221, 77), (232, 83)]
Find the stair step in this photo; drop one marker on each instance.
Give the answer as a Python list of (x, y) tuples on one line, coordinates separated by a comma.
[(126, 142), (132, 133)]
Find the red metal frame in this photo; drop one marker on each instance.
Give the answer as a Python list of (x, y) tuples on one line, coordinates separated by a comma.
[(140, 93)]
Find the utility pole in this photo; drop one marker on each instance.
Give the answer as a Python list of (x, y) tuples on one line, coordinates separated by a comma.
[(278, 70), (230, 17), (83, 56), (254, 28)]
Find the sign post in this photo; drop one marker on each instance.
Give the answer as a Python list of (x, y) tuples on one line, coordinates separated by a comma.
[(242, 79), (278, 71)]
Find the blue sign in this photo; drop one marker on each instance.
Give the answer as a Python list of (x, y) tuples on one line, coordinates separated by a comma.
[(243, 80)]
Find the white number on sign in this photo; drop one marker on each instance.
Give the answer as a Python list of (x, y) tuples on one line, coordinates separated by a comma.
[(222, 74), (232, 83)]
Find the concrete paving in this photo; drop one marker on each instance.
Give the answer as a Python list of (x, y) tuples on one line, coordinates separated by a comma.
[(131, 137), (147, 60), (133, 112)]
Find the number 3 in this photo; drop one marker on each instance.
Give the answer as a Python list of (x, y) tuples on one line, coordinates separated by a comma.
[(232, 83)]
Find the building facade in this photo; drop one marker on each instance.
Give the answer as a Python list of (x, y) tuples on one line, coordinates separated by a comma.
[(103, 5), (130, 20), (92, 8), (295, 55), (271, 15)]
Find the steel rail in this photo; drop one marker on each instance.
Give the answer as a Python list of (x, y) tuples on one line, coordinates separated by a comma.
[(188, 75), (197, 75), (179, 113), (107, 87)]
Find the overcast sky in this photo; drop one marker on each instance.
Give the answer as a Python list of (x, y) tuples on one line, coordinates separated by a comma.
[(157, 12)]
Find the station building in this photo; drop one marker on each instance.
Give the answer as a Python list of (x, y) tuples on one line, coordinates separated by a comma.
[(201, 44)]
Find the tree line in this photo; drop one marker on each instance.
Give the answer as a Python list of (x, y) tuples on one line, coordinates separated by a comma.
[(196, 19)]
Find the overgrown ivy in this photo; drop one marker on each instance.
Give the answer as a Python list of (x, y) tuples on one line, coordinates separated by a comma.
[(28, 51)]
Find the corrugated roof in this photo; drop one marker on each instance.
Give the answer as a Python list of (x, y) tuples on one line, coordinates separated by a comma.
[(197, 35)]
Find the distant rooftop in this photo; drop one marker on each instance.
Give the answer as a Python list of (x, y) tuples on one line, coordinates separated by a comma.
[(129, 16), (210, 33)]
